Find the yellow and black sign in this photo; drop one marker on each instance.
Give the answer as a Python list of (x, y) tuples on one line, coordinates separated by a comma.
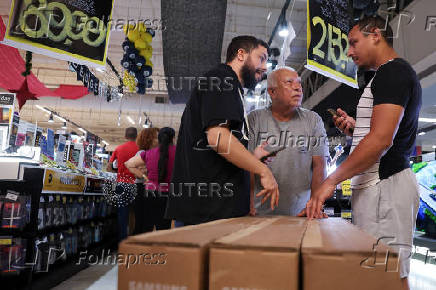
[(328, 23), (76, 31), (56, 181), (346, 188)]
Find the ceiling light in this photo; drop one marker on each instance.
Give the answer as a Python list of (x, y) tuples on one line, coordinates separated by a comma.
[(130, 120), (421, 133), (427, 120), (146, 124), (105, 143), (60, 118), (64, 126), (434, 147), (42, 108), (269, 16), (284, 32), (50, 119), (82, 130)]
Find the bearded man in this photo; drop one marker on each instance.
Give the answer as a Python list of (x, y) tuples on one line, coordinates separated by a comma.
[(211, 176)]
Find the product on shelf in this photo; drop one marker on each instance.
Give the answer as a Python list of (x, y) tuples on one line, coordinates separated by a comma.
[(14, 214), (49, 211), (41, 213), (42, 255), (12, 255)]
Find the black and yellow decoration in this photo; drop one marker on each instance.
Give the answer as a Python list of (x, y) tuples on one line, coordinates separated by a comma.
[(77, 31), (137, 58)]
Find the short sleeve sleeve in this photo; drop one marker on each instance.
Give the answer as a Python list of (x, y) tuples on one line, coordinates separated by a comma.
[(392, 85), (220, 104), (253, 131), (143, 155), (320, 147)]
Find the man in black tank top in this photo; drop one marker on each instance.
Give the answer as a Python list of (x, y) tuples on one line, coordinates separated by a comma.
[(384, 133)]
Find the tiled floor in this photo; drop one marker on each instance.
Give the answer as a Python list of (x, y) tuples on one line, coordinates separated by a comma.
[(93, 278), (422, 277)]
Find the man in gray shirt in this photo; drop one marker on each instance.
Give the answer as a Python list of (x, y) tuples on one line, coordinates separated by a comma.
[(301, 166)]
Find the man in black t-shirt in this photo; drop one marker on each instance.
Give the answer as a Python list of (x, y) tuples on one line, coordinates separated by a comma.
[(211, 171), (385, 197)]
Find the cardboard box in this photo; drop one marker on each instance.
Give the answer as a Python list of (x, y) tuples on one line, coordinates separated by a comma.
[(175, 259), (262, 256), (337, 255)]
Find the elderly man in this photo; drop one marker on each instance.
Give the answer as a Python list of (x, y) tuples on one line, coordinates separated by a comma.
[(300, 165)]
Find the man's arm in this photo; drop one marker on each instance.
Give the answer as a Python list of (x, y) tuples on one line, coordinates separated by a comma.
[(384, 125), (318, 172), (110, 164), (228, 146)]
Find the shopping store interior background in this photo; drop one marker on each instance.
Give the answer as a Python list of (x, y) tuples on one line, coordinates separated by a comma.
[(206, 35)]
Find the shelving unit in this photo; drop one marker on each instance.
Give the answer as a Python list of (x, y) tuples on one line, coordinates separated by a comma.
[(36, 183)]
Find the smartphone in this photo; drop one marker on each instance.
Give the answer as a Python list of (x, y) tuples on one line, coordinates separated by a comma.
[(334, 114), (272, 153)]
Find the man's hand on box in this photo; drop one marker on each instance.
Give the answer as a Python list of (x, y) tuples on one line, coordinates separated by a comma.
[(315, 205)]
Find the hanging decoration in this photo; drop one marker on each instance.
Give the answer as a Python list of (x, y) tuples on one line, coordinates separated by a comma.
[(2, 29), (137, 57), (27, 87), (95, 86)]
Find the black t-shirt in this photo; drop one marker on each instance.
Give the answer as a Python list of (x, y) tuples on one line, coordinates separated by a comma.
[(397, 83), (204, 185)]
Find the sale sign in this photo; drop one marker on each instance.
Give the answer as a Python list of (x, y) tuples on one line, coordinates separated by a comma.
[(328, 23), (72, 30)]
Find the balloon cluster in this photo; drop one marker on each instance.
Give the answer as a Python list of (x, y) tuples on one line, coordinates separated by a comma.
[(137, 57)]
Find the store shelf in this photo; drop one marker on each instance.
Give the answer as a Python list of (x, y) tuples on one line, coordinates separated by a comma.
[(61, 271), (94, 193), (32, 184)]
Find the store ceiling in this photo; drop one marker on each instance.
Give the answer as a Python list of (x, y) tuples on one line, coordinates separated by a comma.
[(253, 17)]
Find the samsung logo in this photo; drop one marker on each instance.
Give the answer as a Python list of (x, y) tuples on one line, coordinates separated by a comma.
[(134, 285)]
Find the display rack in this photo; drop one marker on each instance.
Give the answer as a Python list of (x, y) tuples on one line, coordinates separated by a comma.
[(36, 183)]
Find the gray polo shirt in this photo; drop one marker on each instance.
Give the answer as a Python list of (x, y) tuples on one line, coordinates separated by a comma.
[(303, 136)]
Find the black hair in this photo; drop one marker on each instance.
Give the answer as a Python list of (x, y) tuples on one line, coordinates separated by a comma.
[(246, 42), (131, 133), (370, 23), (165, 138)]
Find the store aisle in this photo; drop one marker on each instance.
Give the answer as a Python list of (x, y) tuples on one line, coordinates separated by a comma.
[(92, 278), (422, 276)]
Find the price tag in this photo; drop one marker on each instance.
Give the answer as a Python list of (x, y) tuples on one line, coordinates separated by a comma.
[(330, 211), (346, 188), (5, 242), (346, 214), (64, 199), (58, 198), (11, 196)]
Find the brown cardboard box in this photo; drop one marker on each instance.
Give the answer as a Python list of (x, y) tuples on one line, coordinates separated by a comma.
[(262, 256), (172, 259), (337, 255)]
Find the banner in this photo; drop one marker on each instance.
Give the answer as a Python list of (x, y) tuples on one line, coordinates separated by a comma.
[(63, 181), (328, 23), (76, 31)]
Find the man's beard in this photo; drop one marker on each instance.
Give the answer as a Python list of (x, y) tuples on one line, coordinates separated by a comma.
[(248, 73)]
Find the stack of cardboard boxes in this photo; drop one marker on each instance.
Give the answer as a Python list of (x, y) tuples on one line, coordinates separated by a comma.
[(258, 253)]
